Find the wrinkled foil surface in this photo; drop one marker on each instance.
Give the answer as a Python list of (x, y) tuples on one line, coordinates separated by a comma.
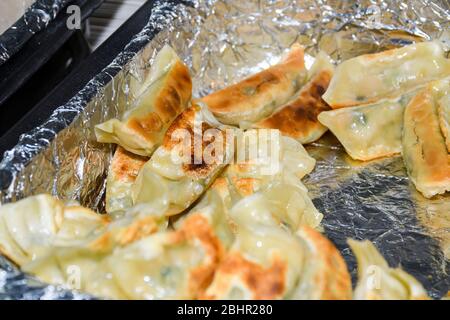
[(35, 19), (222, 42)]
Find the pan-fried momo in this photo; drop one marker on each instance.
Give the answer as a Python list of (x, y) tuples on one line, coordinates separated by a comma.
[(269, 260), (279, 183), (281, 192), (372, 77), (142, 128), (444, 118), (193, 153), (122, 173), (324, 275), (29, 227), (163, 265), (369, 131), (298, 118), (257, 96), (377, 281), (424, 150), (264, 262)]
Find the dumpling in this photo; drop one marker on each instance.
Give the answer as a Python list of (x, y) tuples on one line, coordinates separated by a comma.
[(195, 150), (163, 265), (264, 212), (281, 192), (122, 174), (372, 77), (377, 281), (444, 118), (257, 96), (142, 128), (369, 131), (267, 258), (424, 150), (298, 118), (263, 263), (276, 180), (265, 155), (30, 226), (324, 275)]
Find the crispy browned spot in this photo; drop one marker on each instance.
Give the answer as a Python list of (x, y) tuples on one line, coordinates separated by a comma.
[(176, 94), (435, 159), (197, 228), (245, 186), (264, 283), (298, 119), (102, 243), (122, 236), (184, 121), (331, 278), (197, 166), (125, 165), (137, 230), (274, 79), (172, 99)]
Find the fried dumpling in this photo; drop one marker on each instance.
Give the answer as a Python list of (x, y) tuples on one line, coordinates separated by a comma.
[(276, 254), (164, 265), (281, 192), (142, 128), (195, 150), (122, 174), (369, 131), (257, 96), (278, 179), (377, 281), (444, 118), (30, 226), (325, 275), (372, 77), (424, 150), (298, 118), (263, 262)]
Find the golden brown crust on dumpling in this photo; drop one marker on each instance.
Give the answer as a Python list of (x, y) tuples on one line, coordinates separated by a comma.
[(244, 186), (298, 119), (331, 278), (182, 121), (185, 121), (424, 150), (263, 283), (247, 99), (196, 227), (137, 230), (125, 165), (170, 102)]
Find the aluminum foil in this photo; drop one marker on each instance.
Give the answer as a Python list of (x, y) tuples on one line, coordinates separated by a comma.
[(35, 19), (222, 42)]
